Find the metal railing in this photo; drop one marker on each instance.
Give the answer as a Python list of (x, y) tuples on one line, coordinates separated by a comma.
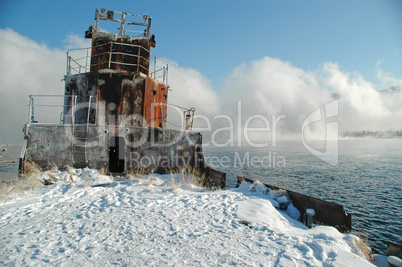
[(49, 109), (79, 64), (81, 60), (45, 110), (121, 17)]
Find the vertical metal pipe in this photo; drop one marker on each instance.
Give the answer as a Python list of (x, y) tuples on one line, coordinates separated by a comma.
[(138, 58), (68, 64), (110, 55), (167, 72), (148, 27), (163, 120), (154, 67), (74, 104), (122, 23), (89, 111), (31, 111), (192, 119), (86, 61), (86, 132), (96, 24)]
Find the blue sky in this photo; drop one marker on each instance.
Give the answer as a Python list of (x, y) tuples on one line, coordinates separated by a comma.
[(214, 37)]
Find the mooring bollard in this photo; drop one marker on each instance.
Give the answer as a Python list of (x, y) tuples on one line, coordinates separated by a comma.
[(308, 217)]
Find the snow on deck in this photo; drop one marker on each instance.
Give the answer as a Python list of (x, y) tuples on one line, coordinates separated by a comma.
[(154, 221)]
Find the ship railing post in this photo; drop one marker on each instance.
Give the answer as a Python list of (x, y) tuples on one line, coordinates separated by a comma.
[(122, 23), (164, 74), (89, 111), (138, 58), (74, 106), (86, 133), (96, 24), (149, 64), (154, 67), (110, 55), (72, 129), (86, 61), (31, 109), (61, 117), (68, 64)]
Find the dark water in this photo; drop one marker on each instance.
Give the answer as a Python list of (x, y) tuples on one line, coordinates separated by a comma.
[(9, 162), (367, 180)]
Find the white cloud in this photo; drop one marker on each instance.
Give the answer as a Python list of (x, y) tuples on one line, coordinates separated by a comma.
[(26, 68), (361, 107), (74, 41), (270, 86), (387, 79), (266, 87), (189, 88)]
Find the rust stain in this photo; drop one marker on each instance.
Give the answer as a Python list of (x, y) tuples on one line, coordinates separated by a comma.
[(120, 54), (123, 83), (155, 101)]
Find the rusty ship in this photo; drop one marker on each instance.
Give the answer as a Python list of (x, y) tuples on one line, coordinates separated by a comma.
[(114, 110)]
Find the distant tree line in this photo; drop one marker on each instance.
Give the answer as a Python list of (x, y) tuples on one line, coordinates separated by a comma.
[(368, 133)]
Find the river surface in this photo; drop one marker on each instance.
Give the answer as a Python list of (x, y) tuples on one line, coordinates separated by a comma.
[(9, 162), (367, 180)]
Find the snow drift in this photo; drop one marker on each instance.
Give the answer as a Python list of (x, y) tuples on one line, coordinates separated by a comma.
[(86, 218)]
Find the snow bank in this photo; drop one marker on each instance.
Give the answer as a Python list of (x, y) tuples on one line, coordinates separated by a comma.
[(385, 261), (278, 198), (90, 219)]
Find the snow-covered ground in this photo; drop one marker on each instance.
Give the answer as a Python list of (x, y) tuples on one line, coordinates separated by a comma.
[(155, 220)]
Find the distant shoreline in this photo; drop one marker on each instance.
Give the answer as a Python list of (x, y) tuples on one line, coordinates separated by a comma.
[(372, 134)]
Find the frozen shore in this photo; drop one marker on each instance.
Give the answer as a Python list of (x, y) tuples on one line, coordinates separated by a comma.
[(159, 220)]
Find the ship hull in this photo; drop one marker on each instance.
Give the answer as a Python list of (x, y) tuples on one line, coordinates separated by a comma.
[(117, 149)]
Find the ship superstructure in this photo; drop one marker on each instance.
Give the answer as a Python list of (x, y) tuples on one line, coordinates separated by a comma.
[(115, 108)]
